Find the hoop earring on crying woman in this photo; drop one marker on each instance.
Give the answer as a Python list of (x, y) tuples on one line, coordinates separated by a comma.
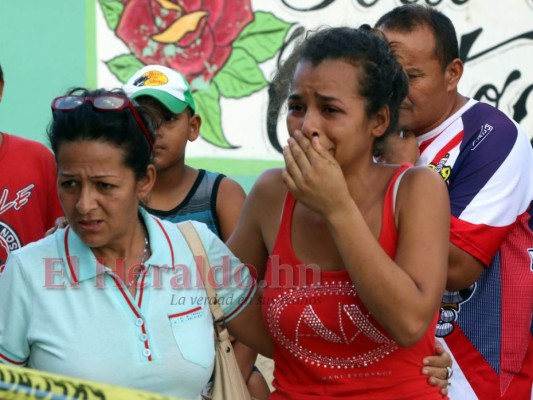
[(103, 103)]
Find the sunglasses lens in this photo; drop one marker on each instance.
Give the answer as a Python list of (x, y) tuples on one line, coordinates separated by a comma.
[(67, 102), (109, 102)]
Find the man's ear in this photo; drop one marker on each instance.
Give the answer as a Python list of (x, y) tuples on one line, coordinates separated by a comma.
[(453, 74), (195, 122)]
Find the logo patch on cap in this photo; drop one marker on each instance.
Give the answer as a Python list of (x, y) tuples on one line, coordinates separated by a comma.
[(151, 78)]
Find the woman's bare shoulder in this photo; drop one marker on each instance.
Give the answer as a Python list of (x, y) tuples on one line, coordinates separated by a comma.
[(421, 176), (421, 186), (266, 200), (269, 184)]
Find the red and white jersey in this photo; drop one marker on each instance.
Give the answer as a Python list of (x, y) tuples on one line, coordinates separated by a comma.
[(487, 161)]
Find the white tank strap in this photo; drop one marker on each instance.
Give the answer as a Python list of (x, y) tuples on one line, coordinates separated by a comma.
[(395, 190)]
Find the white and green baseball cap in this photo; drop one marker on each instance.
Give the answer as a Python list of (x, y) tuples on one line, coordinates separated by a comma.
[(166, 85)]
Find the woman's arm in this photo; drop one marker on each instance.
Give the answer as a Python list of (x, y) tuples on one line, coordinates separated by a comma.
[(248, 328), (405, 293), (229, 202), (247, 243)]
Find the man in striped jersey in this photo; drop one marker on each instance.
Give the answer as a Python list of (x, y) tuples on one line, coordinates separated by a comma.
[(487, 161)]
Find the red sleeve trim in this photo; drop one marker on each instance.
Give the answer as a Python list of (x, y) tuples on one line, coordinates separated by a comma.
[(240, 306), (9, 360)]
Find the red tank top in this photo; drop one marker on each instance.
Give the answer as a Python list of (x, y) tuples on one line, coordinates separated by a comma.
[(326, 343)]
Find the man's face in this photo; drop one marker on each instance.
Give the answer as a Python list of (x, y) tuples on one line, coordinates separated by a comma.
[(431, 96)]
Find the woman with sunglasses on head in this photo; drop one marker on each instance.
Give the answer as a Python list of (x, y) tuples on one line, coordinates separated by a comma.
[(114, 297)]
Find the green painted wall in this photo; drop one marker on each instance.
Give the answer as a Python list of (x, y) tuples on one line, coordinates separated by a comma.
[(46, 47), (243, 171)]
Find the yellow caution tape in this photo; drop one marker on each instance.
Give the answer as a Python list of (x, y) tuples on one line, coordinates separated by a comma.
[(25, 383)]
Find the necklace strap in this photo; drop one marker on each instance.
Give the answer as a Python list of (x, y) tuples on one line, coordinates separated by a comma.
[(145, 251), (137, 274)]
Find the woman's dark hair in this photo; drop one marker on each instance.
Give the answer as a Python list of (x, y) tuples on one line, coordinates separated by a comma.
[(381, 79), (1, 74), (119, 128)]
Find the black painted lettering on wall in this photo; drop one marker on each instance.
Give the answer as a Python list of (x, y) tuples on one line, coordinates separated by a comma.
[(489, 91)]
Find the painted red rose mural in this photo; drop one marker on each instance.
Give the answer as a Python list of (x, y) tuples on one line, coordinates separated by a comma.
[(216, 44)]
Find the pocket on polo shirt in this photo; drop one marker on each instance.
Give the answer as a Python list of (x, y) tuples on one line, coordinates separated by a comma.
[(194, 335)]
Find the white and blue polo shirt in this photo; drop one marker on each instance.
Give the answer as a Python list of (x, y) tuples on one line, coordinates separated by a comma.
[(63, 312)]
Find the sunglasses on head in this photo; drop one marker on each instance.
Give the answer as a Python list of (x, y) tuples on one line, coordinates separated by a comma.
[(102, 103)]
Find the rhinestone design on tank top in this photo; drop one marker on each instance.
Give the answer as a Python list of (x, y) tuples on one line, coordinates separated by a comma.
[(358, 341)]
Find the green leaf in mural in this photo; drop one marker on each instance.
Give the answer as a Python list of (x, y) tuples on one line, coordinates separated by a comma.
[(240, 76), (208, 106), (124, 66), (263, 37), (112, 10)]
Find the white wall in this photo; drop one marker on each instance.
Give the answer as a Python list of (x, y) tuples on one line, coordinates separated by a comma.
[(244, 119)]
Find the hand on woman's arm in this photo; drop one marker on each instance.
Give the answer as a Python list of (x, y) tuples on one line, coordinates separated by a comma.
[(436, 368)]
